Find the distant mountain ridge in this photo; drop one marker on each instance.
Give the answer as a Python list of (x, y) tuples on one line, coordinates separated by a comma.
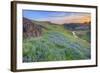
[(77, 26)]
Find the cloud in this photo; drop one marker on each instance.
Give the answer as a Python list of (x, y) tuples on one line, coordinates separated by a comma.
[(76, 18), (69, 17), (60, 14)]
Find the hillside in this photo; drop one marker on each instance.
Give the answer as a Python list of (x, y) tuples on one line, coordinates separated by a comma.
[(54, 44)]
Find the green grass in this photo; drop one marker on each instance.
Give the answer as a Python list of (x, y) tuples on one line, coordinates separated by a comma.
[(55, 44)]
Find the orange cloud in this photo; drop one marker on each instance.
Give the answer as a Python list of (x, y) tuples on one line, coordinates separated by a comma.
[(79, 18)]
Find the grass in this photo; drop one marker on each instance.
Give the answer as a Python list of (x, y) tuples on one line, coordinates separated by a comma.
[(55, 44)]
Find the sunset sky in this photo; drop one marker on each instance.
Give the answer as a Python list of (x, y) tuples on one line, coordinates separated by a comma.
[(57, 17)]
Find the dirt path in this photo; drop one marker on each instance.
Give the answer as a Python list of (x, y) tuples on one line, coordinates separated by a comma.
[(74, 34)]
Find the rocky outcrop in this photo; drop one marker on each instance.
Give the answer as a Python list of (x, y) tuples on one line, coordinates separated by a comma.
[(31, 29)]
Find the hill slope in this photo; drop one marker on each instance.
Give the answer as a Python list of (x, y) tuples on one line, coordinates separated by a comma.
[(55, 44)]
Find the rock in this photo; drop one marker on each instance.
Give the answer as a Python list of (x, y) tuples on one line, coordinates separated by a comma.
[(30, 29)]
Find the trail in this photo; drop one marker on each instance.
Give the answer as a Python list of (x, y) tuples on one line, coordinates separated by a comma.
[(74, 34)]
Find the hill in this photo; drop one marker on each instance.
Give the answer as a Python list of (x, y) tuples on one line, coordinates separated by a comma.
[(77, 26), (56, 43)]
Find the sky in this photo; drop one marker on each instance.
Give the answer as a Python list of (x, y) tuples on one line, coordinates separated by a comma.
[(57, 17)]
